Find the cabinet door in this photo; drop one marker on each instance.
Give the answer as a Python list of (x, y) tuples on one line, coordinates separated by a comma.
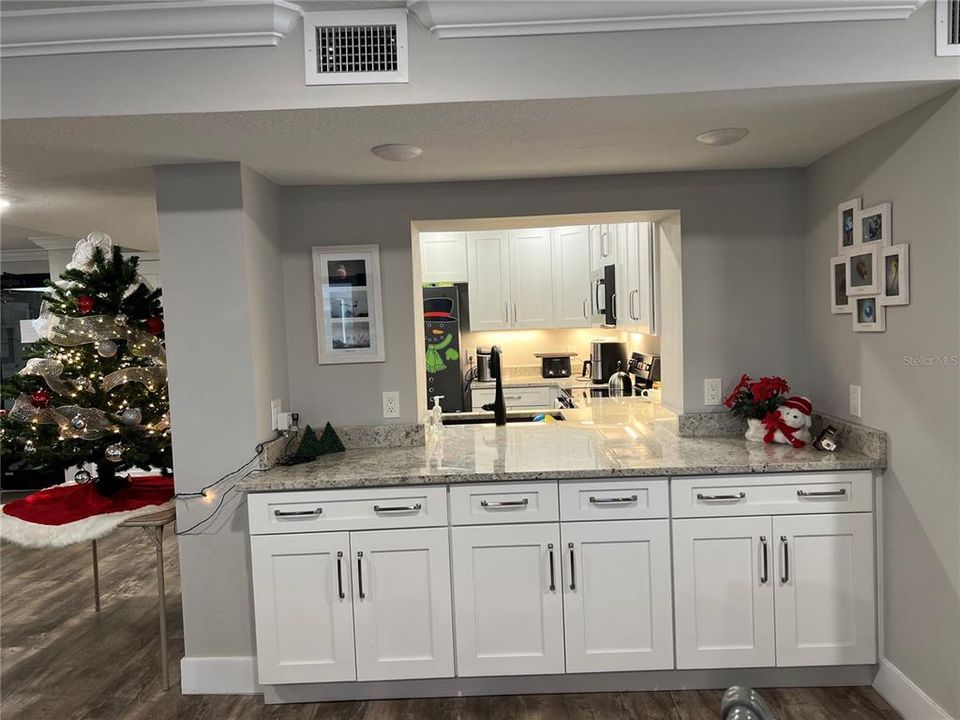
[(596, 247), (825, 590), (571, 277), (443, 256), (531, 279), (488, 270), (509, 615), (402, 608), (723, 592), (616, 595), (642, 305), (302, 605)]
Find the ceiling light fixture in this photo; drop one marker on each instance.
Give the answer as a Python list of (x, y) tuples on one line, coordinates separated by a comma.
[(396, 152), (722, 136)]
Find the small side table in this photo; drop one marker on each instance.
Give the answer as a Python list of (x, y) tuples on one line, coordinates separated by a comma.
[(153, 524)]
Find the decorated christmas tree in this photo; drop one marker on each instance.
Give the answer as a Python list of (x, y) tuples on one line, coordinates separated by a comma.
[(94, 389)]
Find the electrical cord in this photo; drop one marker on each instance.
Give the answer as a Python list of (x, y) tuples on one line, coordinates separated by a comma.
[(203, 490), (189, 530)]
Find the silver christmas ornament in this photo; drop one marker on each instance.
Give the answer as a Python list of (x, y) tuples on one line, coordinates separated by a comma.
[(120, 319), (78, 423), (82, 476), (29, 448), (81, 383), (103, 295), (114, 453), (106, 348), (131, 416)]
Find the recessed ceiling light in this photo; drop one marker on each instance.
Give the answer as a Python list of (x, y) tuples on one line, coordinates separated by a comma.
[(396, 152), (723, 136)]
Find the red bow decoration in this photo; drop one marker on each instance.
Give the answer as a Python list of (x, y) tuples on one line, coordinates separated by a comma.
[(773, 421)]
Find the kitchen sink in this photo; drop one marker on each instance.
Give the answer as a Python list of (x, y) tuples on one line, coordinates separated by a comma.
[(488, 419)]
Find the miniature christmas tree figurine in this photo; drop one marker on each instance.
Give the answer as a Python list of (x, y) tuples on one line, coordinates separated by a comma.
[(95, 387)]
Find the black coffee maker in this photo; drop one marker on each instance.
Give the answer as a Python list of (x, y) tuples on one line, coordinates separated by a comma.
[(606, 358)]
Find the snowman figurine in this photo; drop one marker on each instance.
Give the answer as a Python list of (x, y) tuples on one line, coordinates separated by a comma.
[(790, 423)]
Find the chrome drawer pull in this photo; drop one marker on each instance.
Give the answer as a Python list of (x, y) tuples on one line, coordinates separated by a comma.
[(505, 503), (822, 493), (398, 508), (736, 496), (602, 501), (340, 574), (573, 569), (297, 513), (360, 575), (553, 578), (785, 570), (766, 565)]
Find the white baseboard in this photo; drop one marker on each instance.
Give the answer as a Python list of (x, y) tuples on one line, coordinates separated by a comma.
[(219, 676), (908, 699)]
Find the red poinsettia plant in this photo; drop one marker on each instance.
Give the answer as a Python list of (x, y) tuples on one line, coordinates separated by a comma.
[(755, 398)]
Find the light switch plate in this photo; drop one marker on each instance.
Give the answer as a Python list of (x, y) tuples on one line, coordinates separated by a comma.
[(855, 400), (712, 391), (391, 404)]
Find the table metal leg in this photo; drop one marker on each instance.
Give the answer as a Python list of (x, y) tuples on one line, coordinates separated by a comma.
[(157, 535), (96, 577)]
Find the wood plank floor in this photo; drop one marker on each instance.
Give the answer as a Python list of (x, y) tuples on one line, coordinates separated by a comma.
[(61, 661)]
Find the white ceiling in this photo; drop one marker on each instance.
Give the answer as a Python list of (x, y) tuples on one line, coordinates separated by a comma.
[(71, 175)]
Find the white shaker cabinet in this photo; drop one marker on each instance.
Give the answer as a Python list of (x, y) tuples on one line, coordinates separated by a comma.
[(508, 608), (304, 607), (723, 590), (488, 266), (443, 257), (571, 276), (401, 607), (617, 595), (531, 279), (825, 592), (636, 278)]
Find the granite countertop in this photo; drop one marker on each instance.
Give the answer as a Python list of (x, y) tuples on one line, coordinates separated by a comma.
[(606, 438)]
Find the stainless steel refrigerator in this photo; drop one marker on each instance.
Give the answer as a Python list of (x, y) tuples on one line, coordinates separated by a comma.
[(444, 309)]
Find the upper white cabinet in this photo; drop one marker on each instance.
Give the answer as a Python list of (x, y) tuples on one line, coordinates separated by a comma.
[(443, 257), (531, 278), (636, 278), (571, 276), (488, 265)]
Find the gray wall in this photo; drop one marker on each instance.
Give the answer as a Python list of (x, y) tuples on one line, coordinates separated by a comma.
[(914, 163), (221, 279), (742, 293)]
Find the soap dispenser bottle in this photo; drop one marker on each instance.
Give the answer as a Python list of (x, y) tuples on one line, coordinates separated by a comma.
[(435, 417)]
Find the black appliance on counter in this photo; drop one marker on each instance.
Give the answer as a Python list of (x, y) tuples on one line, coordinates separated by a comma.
[(645, 369), (444, 309), (606, 358), (555, 364)]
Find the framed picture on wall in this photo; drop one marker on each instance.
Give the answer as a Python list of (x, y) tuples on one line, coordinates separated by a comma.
[(846, 225), (869, 315), (346, 281), (862, 272), (895, 275), (872, 226), (839, 299)]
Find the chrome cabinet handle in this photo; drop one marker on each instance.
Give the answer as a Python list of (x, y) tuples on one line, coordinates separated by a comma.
[(513, 397), (584, 305), (573, 569), (514, 312), (633, 315), (604, 501), (505, 503), (822, 493), (340, 575), (735, 496), (765, 576), (785, 571), (596, 294), (398, 508), (297, 513), (613, 300), (553, 579), (360, 574), (506, 313)]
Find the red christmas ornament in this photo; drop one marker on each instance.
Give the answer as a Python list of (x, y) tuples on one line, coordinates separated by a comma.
[(84, 304), (154, 325), (41, 398)]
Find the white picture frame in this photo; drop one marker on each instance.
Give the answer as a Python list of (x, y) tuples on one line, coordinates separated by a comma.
[(873, 226), (862, 272), (349, 305), (868, 314), (847, 225), (895, 275), (840, 302)]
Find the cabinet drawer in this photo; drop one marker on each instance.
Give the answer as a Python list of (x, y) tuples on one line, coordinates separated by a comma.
[(517, 397), (614, 499), (504, 503), (796, 493), (321, 510)]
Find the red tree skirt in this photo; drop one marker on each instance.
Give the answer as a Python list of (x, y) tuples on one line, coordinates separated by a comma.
[(71, 513)]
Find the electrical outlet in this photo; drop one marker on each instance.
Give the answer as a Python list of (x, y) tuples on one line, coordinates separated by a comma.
[(274, 413), (855, 400), (712, 391), (391, 404)]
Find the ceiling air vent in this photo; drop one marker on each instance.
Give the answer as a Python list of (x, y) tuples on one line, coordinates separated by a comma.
[(355, 47), (948, 27)]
